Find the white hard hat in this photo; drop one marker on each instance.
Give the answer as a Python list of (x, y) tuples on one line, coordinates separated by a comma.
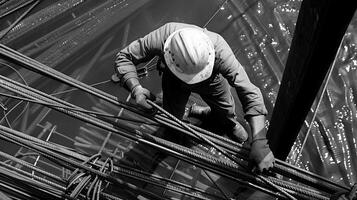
[(189, 54)]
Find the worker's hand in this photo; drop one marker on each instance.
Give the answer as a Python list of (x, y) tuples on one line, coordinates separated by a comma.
[(141, 95), (261, 155)]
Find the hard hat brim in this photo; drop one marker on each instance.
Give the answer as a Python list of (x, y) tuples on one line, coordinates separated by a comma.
[(202, 75)]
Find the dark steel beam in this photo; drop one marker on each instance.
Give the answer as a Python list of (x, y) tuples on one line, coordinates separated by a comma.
[(320, 27)]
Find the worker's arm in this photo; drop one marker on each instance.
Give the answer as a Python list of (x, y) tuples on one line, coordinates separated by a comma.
[(142, 50), (228, 65), (139, 51), (252, 102), (260, 151)]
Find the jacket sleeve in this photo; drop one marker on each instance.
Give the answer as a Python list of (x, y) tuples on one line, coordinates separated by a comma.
[(139, 51), (228, 65)]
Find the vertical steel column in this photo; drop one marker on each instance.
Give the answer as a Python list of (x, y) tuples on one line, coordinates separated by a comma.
[(318, 33)]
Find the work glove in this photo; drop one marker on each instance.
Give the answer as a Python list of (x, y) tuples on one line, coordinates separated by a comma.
[(261, 155), (141, 95)]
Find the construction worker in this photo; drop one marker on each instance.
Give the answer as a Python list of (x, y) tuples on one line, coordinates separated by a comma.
[(200, 61)]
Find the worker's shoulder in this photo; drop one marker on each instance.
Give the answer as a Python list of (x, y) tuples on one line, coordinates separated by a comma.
[(217, 39), (178, 25), (171, 27)]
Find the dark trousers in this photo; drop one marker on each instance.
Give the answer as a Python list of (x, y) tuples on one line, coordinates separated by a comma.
[(215, 92)]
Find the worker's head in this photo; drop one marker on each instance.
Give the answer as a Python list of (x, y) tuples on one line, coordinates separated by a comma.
[(189, 54)]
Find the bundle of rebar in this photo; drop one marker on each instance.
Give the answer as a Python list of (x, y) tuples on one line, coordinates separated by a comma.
[(93, 178)]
